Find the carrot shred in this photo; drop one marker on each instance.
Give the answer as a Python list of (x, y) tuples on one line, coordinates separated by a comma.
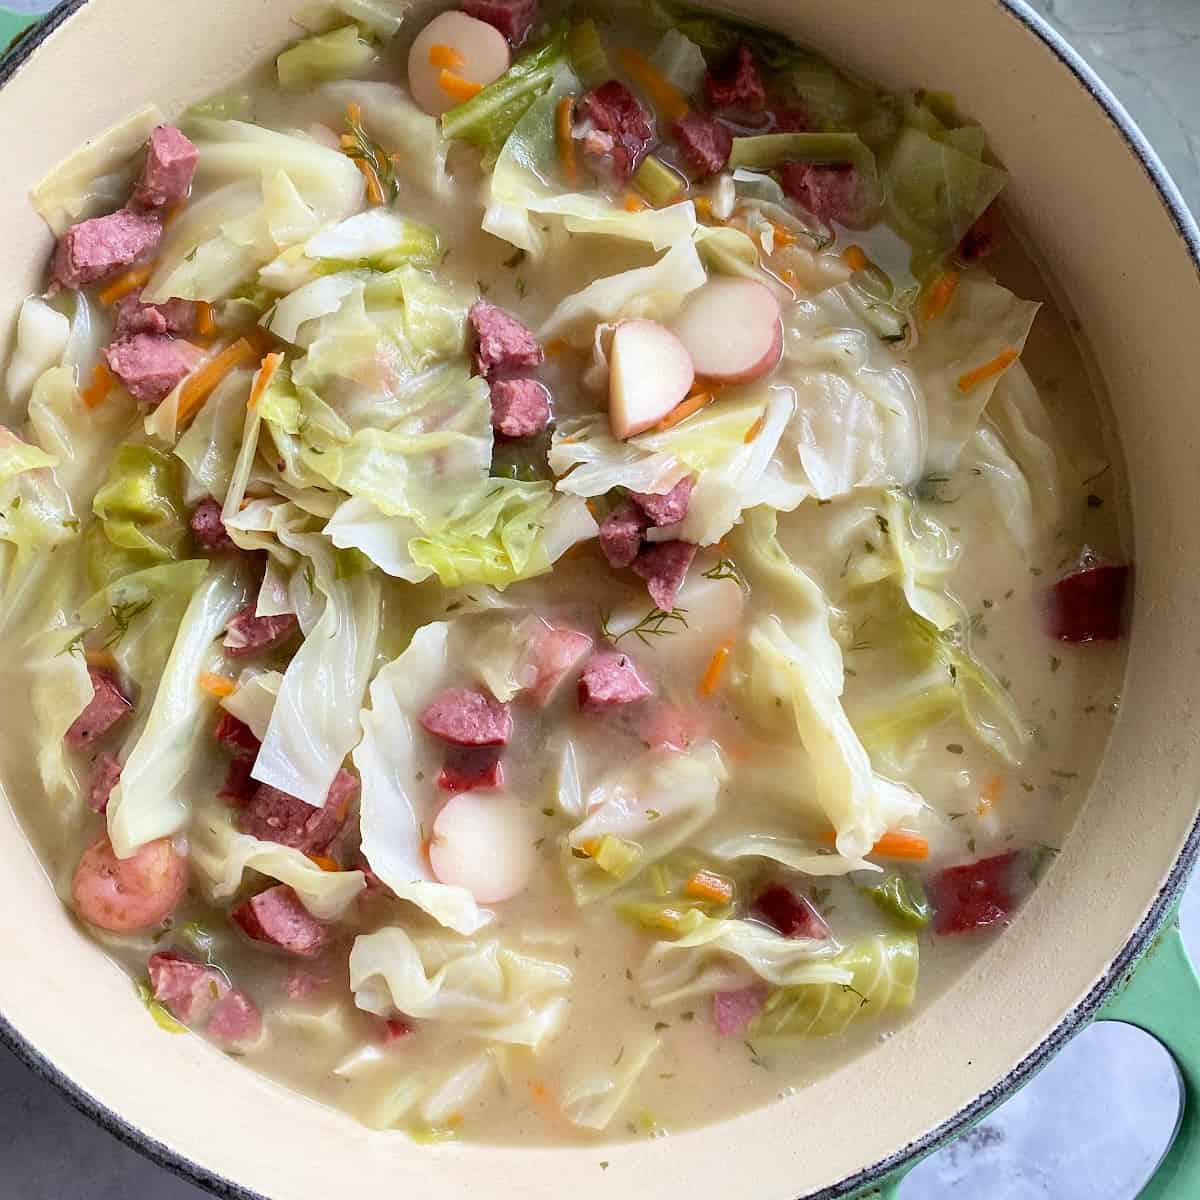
[(217, 685), (543, 1100), (788, 276), (783, 235), (206, 324), (703, 206), (693, 404), (989, 370), (455, 85), (854, 257), (557, 347), (105, 659), (324, 862), (102, 382), (755, 429), (633, 203), (708, 885), (374, 187), (992, 791), (353, 115), (891, 845), (200, 385), (262, 381), (941, 292), (441, 55), (665, 96), (715, 669), (566, 143), (130, 281), (348, 141)]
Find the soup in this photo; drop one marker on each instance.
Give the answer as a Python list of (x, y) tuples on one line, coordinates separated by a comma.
[(562, 589)]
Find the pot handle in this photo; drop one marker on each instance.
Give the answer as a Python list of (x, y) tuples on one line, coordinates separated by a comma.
[(1161, 996), (13, 26)]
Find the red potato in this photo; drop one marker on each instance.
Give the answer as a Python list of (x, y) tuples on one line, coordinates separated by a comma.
[(650, 372), (732, 328), (483, 843), (127, 894), (478, 53)]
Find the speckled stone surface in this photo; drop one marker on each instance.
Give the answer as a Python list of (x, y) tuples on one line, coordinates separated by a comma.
[(1092, 1125)]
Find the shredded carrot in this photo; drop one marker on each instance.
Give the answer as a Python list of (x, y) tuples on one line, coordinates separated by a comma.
[(992, 791), (445, 56), (589, 846), (703, 207), (199, 386), (324, 862), (455, 85), (783, 235), (217, 685), (788, 276), (693, 404), (262, 381), (374, 187), (715, 669), (206, 325), (666, 97), (543, 1101), (103, 381), (591, 507), (989, 370), (354, 114), (348, 140), (105, 659), (133, 279), (892, 845), (854, 257), (633, 202), (755, 429), (941, 292), (566, 143), (557, 347), (708, 885)]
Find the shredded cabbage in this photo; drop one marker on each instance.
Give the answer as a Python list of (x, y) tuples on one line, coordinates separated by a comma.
[(591, 1099)]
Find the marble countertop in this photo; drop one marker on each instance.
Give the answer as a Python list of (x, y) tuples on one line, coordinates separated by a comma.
[(1092, 1125)]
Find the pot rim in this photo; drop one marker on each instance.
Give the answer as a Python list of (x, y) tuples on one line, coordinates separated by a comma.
[(1075, 1019)]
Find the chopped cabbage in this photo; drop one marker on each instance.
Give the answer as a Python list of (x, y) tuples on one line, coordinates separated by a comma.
[(681, 61), (325, 56), (254, 700), (42, 336), (209, 448), (591, 1099), (59, 690), (477, 987)]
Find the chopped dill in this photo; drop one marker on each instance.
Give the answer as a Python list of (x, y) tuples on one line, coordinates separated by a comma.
[(123, 616), (726, 568), (359, 147), (655, 623)]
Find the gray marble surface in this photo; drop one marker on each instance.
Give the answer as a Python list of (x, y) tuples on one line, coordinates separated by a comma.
[(1093, 1124)]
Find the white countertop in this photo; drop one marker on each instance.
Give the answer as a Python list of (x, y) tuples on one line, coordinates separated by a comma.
[(1093, 1123)]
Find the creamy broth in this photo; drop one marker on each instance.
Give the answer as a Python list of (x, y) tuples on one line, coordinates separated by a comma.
[(975, 769)]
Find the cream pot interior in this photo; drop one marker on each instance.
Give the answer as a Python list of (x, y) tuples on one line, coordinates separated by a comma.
[(1096, 216)]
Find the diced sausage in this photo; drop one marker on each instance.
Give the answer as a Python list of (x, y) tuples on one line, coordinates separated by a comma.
[(466, 717), (248, 634), (189, 990), (150, 365), (520, 407), (669, 508), (614, 129), (236, 735), (610, 679), (556, 653), (503, 342), (236, 1021), (789, 914), (1086, 606), (277, 917), (792, 119), (396, 1029), (514, 18), (664, 567), (974, 896), (304, 982), (106, 774), (830, 191), (469, 768), (208, 528), (666, 727), (275, 816), (176, 317), (621, 533), (168, 170), (95, 249), (737, 85), (733, 1011), (706, 144), (984, 237), (238, 787), (106, 708), (127, 894)]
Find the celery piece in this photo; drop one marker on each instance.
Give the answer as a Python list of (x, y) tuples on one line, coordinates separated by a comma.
[(616, 856), (328, 56), (489, 117), (657, 182), (767, 150), (588, 57), (678, 920), (198, 938), (161, 1017), (904, 899)]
